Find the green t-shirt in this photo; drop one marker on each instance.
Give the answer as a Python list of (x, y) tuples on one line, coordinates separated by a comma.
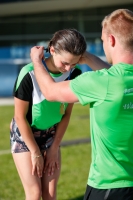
[(110, 94), (42, 114)]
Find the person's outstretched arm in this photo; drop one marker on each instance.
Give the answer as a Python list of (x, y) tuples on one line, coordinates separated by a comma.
[(21, 109), (52, 91), (94, 62), (52, 156)]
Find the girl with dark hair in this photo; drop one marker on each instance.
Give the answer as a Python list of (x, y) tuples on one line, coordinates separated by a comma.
[(38, 125)]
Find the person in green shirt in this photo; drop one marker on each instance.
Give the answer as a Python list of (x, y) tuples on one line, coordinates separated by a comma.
[(109, 92)]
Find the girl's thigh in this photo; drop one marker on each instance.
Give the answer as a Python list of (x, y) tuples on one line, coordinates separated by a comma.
[(24, 168)]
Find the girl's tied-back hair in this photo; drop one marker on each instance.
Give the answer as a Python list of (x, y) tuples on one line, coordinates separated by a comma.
[(69, 40)]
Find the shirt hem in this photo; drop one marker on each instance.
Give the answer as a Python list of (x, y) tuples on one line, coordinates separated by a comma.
[(111, 186)]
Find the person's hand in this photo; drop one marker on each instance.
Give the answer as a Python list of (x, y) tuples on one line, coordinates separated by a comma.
[(37, 53), (83, 59), (37, 165), (51, 162)]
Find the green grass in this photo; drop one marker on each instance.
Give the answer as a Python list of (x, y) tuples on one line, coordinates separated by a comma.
[(75, 158), (79, 123), (6, 114)]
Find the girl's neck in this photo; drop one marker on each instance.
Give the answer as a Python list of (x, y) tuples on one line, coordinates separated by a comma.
[(50, 65)]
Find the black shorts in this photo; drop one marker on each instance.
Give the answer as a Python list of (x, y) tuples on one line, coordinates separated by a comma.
[(108, 194), (44, 138)]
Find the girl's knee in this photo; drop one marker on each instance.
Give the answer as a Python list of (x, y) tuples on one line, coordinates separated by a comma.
[(34, 193), (49, 195)]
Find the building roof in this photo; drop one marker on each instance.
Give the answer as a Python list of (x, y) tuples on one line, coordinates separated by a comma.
[(37, 6)]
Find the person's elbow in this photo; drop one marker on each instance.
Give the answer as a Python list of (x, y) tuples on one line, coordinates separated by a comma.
[(50, 96)]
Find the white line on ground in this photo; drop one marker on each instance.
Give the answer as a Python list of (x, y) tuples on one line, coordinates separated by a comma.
[(2, 152)]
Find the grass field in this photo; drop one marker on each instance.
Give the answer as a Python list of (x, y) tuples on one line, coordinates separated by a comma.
[(75, 158)]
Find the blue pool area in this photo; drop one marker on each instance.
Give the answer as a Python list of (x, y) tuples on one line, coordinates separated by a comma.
[(12, 59), (8, 74)]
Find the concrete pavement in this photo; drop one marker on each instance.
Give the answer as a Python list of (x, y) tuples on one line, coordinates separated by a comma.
[(6, 101)]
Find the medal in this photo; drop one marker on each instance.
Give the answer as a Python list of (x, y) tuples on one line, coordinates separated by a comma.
[(62, 108)]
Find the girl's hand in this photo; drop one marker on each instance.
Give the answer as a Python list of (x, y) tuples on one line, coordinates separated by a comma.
[(51, 162), (37, 165)]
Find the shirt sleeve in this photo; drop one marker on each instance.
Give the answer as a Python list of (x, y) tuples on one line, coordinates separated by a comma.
[(90, 87), (25, 88)]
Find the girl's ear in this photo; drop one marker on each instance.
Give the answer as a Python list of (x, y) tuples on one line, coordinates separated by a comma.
[(52, 50), (112, 40)]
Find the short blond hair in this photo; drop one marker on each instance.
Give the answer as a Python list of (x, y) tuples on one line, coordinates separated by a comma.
[(120, 24)]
